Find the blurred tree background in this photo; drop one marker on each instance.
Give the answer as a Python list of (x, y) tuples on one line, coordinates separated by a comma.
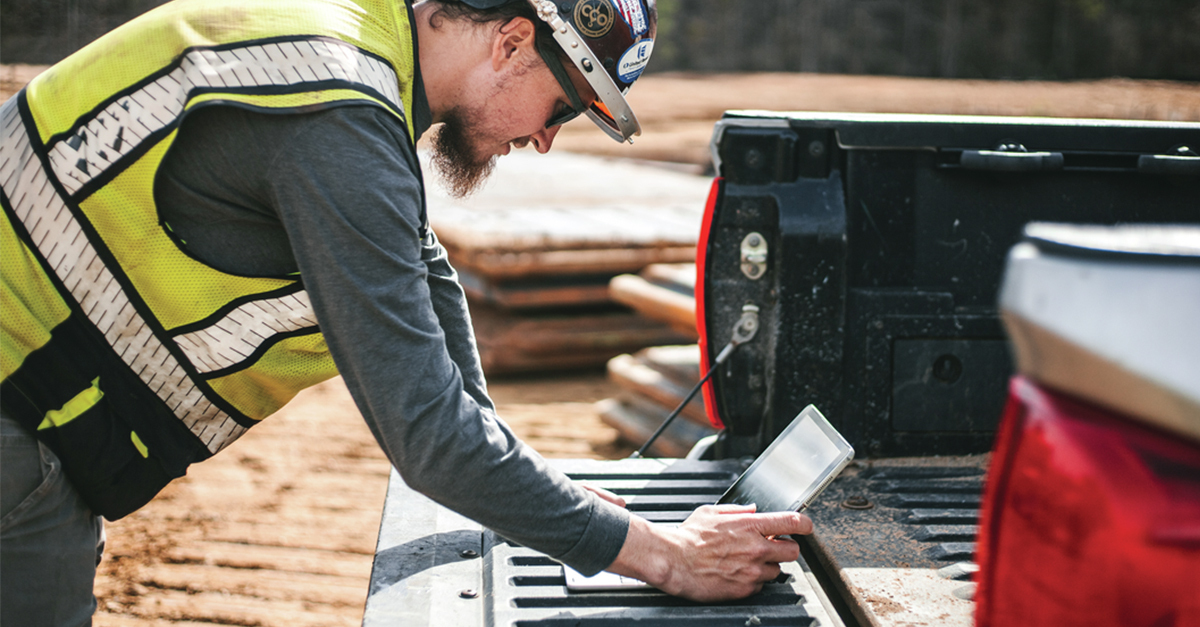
[(1022, 39)]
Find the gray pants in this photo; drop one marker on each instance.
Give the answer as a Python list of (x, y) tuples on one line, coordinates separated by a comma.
[(50, 541)]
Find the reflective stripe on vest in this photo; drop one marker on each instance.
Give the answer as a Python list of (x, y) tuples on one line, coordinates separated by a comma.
[(219, 351), (99, 141), (60, 239)]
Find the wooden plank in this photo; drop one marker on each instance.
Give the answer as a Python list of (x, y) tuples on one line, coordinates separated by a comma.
[(656, 302), (636, 419), (680, 276), (572, 202), (510, 264), (641, 378), (537, 292), (523, 343), (679, 363)]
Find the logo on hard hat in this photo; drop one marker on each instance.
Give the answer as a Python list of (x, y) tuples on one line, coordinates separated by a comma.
[(594, 18), (634, 16), (634, 60)]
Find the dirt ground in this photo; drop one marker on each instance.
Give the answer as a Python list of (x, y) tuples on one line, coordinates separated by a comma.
[(279, 530)]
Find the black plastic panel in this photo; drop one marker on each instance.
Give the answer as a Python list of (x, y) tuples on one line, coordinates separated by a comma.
[(895, 252)]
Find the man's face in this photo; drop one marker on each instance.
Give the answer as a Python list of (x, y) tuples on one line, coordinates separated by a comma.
[(512, 110)]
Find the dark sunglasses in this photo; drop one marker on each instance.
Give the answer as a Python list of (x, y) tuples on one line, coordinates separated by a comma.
[(566, 113)]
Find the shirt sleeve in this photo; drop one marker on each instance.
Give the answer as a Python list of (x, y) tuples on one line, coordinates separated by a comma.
[(450, 305), (348, 190)]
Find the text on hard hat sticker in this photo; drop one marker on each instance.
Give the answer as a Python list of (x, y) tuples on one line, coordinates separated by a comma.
[(594, 18), (634, 15), (634, 60)]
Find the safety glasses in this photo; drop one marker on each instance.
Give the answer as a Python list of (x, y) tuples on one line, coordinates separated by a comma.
[(547, 49), (610, 111)]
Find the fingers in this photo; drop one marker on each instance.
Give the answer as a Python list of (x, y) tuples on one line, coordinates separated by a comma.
[(605, 494), (776, 551), (726, 509), (782, 524)]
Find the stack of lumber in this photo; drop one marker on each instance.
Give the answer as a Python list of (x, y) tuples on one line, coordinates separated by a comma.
[(655, 380), (536, 248), (662, 291)]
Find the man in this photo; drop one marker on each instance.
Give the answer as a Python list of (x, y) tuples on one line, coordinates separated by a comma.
[(186, 198)]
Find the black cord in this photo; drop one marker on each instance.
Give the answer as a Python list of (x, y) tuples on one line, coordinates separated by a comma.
[(666, 423)]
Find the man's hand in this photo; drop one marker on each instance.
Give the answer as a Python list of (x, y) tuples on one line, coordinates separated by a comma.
[(720, 552), (615, 499)]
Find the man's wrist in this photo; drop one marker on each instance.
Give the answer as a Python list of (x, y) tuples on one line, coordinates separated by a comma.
[(647, 554)]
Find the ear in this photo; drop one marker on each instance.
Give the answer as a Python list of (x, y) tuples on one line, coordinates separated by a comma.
[(513, 42)]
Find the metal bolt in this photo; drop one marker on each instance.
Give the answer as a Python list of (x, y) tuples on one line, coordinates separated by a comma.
[(947, 368), (816, 148), (468, 593), (754, 240), (469, 553), (754, 159), (857, 502), (587, 64)]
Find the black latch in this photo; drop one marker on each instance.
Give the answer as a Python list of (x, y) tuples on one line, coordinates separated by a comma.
[(1180, 161), (1011, 157)]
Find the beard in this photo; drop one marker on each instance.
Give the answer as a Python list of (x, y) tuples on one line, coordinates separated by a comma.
[(454, 158)]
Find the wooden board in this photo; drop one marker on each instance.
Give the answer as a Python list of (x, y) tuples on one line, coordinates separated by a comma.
[(659, 302), (571, 214), (510, 343), (636, 375), (637, 419), (537, 292)]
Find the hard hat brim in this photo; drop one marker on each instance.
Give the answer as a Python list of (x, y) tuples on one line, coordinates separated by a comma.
[(611, 112)]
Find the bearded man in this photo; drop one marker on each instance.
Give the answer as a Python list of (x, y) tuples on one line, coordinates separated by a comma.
[(220, 204)]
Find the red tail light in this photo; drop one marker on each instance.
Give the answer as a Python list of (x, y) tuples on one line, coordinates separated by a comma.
[(710, 398), (1088, 518)]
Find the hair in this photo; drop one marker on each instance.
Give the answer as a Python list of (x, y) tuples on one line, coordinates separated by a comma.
[(458, 10)]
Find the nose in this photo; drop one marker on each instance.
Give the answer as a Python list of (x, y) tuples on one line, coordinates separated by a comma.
[(544, 138)]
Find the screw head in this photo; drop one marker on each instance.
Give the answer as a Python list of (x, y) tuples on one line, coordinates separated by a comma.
[(468, 593), (947, 368), (857, 502), (469, 553), (754, 240)]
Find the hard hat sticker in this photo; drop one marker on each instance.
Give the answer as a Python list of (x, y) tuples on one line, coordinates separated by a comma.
[(594, 18), (634, 15), (634, 60)]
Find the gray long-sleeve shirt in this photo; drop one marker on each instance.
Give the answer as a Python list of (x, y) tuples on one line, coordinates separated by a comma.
[(337, 195)]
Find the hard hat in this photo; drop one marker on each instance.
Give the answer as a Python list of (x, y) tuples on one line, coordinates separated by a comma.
[(609, 41)]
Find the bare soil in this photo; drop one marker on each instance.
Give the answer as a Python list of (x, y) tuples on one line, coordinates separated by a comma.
[(279, 530)]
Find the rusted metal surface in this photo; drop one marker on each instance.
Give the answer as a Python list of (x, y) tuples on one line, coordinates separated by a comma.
[(897, 538)]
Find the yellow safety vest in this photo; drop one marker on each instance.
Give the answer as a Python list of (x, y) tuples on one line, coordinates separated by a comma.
[(130, 358)]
